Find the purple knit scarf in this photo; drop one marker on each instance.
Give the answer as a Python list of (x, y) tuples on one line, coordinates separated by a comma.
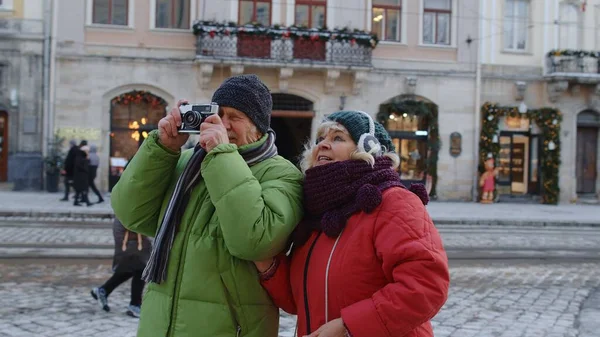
[(334, 192)]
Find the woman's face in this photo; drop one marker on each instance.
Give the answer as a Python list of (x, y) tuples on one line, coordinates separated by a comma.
[(333, 144)]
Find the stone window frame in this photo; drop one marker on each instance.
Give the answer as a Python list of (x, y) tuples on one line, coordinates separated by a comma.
[(509, 24), (192, 16), (89, 16)]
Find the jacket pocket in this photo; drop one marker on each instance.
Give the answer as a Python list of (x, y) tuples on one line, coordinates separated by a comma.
[(229, 298)]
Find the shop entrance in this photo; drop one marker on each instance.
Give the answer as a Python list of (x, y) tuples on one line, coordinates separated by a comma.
[(291, 120), (518, 163), (588, 126)]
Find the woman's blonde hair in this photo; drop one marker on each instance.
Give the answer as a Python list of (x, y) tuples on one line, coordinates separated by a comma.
[(306, 160)]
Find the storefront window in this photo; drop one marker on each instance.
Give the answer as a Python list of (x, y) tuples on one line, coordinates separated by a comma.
[(410, 137), (405, 122), (412, 153)]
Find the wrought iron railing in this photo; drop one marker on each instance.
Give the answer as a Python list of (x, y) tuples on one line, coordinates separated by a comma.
[(284, 45), (573, 61)]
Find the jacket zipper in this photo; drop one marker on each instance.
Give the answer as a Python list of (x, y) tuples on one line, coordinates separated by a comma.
[(236, 321), (176, 287), (327, 277), (306, 310)]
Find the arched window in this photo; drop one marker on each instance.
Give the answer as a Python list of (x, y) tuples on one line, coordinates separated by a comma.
[(409, 134), (412, 122), (133, 115)]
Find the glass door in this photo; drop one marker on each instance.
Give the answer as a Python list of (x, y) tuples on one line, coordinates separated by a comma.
[(534, 167), (514, 163)]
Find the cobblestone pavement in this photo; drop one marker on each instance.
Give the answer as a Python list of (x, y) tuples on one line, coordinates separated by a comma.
[(55, 235), (453, 236), (48, 206), (486, 300)]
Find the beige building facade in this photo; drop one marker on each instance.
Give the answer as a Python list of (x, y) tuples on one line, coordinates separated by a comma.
[(436, 65), (120, 63), (545, 54), (22, 87)]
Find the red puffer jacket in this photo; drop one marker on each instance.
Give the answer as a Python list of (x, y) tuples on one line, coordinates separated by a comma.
[(388, 274)]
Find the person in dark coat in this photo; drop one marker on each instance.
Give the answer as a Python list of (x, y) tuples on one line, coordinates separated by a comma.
[(69, 167), (81, 176), (94, 162), (132, 252)]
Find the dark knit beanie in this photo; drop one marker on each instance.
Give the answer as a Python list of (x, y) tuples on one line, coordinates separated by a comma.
[(357, 123), (249, 95)]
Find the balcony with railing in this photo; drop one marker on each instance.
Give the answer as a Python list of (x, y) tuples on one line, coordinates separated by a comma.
[(283, 46), (573, 65)]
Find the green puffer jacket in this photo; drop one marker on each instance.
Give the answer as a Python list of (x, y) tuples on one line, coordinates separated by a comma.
[(235, 215)]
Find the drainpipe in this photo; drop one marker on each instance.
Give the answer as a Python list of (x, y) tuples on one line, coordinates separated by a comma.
[(46, 132), (476, 112), (51, 76)]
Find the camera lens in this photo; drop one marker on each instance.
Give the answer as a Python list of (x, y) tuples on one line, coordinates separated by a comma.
[(192, 119)]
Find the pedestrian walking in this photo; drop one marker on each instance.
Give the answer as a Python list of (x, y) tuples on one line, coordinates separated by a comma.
[(69, 168), (94, 162), (81, 176), (131, 255)]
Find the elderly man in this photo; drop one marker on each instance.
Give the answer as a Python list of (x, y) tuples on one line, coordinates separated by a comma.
[(213, 209)]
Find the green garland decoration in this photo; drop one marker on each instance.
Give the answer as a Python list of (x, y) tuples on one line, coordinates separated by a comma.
[(138, 97), (572, 52), (427, 111), (548, 120), (276, 32)]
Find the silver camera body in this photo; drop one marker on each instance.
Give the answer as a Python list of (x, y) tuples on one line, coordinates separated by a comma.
[(194, 114)]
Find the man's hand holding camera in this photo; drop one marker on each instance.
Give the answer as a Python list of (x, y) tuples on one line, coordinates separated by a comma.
[(201, 119), (168, 129), (212, 133)]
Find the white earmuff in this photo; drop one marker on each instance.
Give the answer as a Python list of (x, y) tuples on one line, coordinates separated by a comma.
[(368, 142)]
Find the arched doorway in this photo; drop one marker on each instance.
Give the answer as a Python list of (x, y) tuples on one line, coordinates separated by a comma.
[(291, 120), (132, 116), (412, 122), (588, 126)]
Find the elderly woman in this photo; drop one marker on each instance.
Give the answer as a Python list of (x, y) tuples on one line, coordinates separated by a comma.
[(367, 260)]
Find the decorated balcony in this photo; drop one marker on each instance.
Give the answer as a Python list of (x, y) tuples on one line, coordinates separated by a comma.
[(283, 46), (573, 65)]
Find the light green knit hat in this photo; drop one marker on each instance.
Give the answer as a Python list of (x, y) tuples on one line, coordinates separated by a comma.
[(357, 124)]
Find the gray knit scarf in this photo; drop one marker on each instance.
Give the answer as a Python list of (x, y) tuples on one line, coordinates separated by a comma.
[(156, 269)]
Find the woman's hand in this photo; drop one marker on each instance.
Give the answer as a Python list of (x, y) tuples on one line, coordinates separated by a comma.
[(333, 328)]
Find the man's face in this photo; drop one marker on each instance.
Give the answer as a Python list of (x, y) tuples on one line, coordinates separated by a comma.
[(240, 129)]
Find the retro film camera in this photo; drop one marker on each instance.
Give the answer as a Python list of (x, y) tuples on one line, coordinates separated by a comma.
[(192, 115)]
